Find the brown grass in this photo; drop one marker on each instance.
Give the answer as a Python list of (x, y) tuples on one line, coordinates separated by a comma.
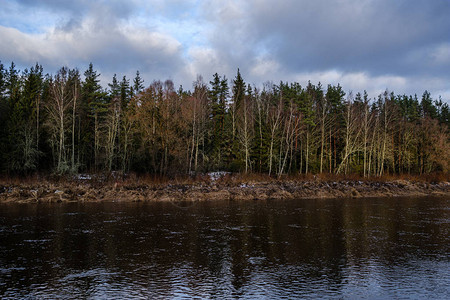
[(132, 180), (429, 178), (22, 180)]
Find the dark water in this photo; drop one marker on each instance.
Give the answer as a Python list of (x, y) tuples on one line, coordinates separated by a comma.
[(373, 248)]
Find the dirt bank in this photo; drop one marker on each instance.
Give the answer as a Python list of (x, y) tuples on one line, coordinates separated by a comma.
[(79, 191)]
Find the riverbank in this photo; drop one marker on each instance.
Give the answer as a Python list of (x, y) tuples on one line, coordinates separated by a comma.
[(84, 189)]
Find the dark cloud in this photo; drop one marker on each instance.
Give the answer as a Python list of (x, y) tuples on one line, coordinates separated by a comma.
[(352, 35), (402, 45), (69, 25), (119, 8), (72, 7)]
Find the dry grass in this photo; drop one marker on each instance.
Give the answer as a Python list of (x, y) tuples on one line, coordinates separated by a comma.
[(429, 178), (239, 178), (22, 180), (133, 180)]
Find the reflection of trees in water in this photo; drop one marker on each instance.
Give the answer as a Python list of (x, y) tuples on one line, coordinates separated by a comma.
[(231, 247)]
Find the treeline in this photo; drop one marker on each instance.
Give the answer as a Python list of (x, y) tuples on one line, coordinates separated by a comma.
[(68, 123)]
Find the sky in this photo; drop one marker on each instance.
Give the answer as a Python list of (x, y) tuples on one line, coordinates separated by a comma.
[(373, 45)]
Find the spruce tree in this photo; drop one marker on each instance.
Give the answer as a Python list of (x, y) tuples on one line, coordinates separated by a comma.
[(24, 102), (427, 107), (235, 157), (138, 84), (335, 97), (125, 92), (114, 87), (217, 96), (94, 109), (2, 80), (238, 90)]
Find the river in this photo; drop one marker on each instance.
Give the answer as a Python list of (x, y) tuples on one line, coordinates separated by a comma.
[(342, 248)]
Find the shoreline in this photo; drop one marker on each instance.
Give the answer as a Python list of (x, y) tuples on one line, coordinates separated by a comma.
[(78, 191)]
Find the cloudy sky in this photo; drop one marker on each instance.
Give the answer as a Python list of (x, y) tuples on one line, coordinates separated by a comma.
[(402, 45)]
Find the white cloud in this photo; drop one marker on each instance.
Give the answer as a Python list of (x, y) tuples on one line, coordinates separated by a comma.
[(16, 45), (441, 54), (263, 68), (119, 48), (203, 59)]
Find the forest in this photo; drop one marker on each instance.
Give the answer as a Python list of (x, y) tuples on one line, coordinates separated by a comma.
[(67, 123)]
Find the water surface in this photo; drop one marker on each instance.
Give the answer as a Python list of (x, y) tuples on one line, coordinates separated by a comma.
[(346, 248)]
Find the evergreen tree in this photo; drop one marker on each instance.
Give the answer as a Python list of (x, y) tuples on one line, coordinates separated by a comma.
[(125, 92), (114, 87), (4, 113), (94, 109), (261, 142), (413, 109), (2, 80), (12, 85), (218, 95), (335, 97), (238, 90), (138, 84), (236, 114), (24, 101), (443, 112), (427, 107)]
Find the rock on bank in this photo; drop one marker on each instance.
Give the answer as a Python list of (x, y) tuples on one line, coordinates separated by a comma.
[(85, 192)]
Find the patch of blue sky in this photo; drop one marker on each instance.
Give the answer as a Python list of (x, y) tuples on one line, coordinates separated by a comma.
[(26, 20), (188, 30), (171, 9)]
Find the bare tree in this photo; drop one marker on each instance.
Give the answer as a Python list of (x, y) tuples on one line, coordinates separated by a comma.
[(112, 130), (366, 126), (388, 115), (324, 121), (274, 121), (353, 130), (291, 123), (58, 106), (245, 126), (75, 96)]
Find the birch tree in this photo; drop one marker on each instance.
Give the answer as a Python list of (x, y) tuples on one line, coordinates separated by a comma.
[(112, 124), (274, 121), (353, 131), (245, 126), (59, 117)]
